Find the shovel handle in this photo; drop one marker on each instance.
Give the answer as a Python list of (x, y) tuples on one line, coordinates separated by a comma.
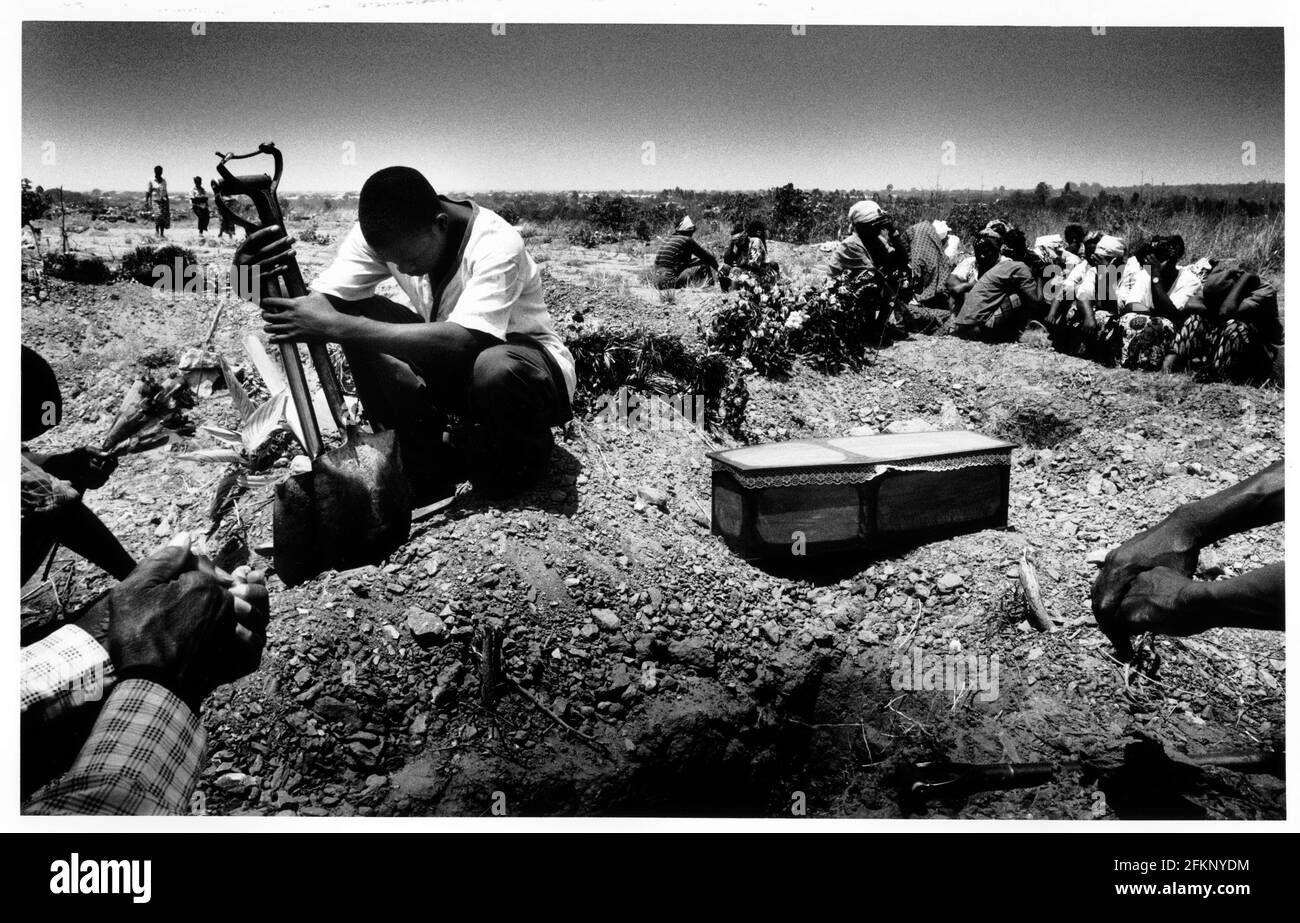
[(329, 383), (263, 191)]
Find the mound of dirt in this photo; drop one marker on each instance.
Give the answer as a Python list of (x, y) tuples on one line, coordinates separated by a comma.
[(662, 673)]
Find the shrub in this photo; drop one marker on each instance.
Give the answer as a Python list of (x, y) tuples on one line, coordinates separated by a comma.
[(311, 234), (587, 236), (139, 264), (75, 267), (608, 358), (752, 328), (36, 202), (830, 325)]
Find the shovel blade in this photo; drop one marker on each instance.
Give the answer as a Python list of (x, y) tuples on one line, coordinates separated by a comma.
[(352, 508)]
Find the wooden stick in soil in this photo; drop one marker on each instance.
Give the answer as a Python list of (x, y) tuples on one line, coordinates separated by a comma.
[(212, 327), (1038, 613), (490, 666)]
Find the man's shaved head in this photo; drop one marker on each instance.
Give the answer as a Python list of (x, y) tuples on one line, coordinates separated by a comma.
[(395, 203)]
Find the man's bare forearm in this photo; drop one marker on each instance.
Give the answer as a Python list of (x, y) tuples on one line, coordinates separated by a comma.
[(1259, 500), (1160, 303), (959, 287), (409, 342), (1256, 599)]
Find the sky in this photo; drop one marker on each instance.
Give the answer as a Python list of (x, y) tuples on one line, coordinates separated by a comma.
[(548, 107)]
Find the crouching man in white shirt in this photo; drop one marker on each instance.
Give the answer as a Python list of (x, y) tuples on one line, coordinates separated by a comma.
[(476, 342)]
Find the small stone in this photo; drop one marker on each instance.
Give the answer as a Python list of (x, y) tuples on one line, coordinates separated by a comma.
[(335, 711), (653, 496), (867, 636), (693, 652), (606, 619), (649, 676), (911, 426), (233, 781), (425, 627), (772, 632), (1098, 556), (949, 582)]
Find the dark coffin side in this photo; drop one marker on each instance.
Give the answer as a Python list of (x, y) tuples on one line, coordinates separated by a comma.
[(819, 496)]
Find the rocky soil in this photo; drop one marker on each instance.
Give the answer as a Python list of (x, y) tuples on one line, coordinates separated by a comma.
[(647, 670)]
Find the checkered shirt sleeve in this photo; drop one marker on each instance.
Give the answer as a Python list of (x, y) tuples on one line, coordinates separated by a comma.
[(142, 757), (62, 671)]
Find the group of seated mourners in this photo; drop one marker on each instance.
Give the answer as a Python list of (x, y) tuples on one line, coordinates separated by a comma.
[(682, 262), (1142, 308)]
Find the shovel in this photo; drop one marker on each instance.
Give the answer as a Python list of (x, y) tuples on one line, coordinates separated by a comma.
[(353, 506)]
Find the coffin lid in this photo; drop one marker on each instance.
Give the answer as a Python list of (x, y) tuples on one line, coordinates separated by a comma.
[(853, 451)]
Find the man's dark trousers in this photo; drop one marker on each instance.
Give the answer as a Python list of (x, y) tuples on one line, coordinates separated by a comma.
[(507, 393)]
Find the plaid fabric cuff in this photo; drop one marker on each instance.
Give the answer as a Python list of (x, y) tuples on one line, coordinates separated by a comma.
[(142, 757), (62, 671)]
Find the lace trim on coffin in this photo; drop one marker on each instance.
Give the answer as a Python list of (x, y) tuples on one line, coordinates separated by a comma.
[(866, 472)]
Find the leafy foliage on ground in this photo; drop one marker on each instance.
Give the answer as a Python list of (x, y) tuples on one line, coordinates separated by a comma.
[(140, 263), (770, 325), (611, 357)]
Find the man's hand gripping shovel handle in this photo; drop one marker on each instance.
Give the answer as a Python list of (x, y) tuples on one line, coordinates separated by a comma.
[(263, 191)]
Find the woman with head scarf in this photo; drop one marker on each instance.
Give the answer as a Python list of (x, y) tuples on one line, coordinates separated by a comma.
[(1231, 329), (199, 205), (1154, 290), (988, 252)]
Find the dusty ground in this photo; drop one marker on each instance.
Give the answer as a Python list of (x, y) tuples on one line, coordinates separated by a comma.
[(695, 683)]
